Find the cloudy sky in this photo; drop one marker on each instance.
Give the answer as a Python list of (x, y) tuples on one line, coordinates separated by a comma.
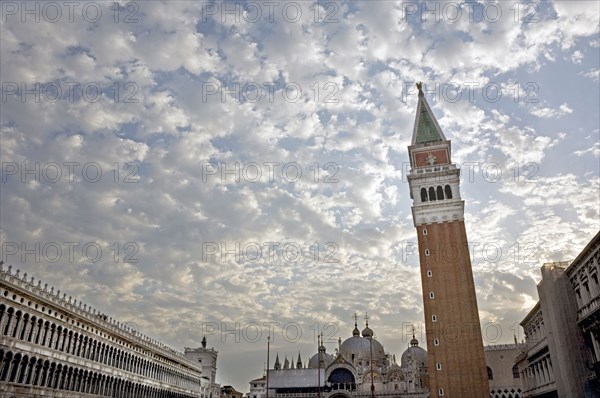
[(187, 165)]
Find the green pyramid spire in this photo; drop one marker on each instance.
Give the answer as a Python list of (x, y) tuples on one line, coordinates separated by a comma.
[(427, 128)]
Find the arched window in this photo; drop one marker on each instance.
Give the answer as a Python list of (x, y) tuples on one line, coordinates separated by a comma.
[(490, 373), (448, 192), (423, 195), (341, 376), (587, 291), (5, 365), (440, 192), (10, 313), (431, 193), (516, 374)]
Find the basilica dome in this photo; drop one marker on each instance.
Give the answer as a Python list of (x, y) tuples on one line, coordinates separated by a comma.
[(326, 358), (357, 347), (418, 354), (361, 348)]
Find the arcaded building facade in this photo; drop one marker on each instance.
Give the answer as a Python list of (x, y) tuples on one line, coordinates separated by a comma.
[(534, 362), (584, 273), (54, 345), (560, 357)]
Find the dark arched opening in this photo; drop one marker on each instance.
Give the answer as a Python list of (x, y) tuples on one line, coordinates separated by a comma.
[(448, 192), (440, 192), (431, 193)]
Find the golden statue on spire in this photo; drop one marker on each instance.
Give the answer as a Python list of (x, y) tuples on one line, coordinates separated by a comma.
[(420, 86)]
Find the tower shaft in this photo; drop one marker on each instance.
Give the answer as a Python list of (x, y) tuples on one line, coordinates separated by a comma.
[(456, 360)]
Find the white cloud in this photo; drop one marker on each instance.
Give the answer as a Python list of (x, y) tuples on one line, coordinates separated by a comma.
[(548, 112), (594, 150), (576, 57), (593, 74)]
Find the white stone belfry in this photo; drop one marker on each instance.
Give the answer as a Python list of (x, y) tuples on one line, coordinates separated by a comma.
[(433, 179)]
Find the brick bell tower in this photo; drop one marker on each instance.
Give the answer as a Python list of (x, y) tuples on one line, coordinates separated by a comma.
[(456, 361)]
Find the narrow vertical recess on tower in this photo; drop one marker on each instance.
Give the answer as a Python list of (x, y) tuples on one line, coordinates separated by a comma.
[(454, 343)]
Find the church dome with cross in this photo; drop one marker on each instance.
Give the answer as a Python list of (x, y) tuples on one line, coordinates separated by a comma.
[(415, 353), (357, 349)]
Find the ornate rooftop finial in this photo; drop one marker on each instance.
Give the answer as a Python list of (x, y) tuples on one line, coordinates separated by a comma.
[(420, 87), (321, 343), (355, 332), (367, 332), (203, 341), (414, 342)]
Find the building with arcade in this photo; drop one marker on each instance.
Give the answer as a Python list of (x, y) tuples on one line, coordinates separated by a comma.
[(54, 345)]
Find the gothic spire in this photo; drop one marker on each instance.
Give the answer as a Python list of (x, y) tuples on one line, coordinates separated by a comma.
[(277, 363)]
